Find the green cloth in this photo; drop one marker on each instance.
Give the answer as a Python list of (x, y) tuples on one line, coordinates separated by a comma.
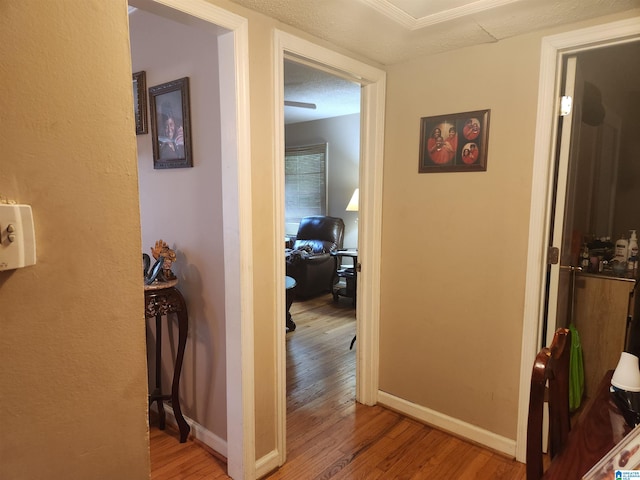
[(576, 370)]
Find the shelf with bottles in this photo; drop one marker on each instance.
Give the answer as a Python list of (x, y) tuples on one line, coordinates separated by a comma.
[(601, 256)]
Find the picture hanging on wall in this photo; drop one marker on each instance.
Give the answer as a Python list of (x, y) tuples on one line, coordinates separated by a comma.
[(456, 142), (171, 124), (140, 102)]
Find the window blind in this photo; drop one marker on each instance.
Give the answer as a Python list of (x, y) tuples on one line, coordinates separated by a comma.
[(305, 182)]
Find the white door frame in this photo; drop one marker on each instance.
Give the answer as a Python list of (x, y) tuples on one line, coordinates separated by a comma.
[(552, 50), (373, 81), (233, 56)]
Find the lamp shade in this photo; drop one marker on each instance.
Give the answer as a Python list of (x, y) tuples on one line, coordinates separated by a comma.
[(627, 374), (352, 206)]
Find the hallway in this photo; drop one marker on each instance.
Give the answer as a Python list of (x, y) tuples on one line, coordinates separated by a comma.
[(329, 435)]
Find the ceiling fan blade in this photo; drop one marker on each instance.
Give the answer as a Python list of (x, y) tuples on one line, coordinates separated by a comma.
[(289, 103)]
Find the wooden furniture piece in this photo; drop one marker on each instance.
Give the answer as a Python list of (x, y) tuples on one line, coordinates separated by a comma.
[(551, 365), (347, 275), (160, 300), (289, 285), (602, 313), (600, 427)]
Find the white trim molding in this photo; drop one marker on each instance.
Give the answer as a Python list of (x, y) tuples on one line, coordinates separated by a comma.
[(411, 23), (238, 247), (233, 54), (267, 463), (370, 240), (449, 424), (199, 432), (553, 49), (372, 81)]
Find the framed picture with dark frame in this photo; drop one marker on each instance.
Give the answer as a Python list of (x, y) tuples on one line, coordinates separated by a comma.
[(140, 102), (171, 124), (455, 142)]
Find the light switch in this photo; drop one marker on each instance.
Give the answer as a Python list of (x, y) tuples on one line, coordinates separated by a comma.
[(17, 237)]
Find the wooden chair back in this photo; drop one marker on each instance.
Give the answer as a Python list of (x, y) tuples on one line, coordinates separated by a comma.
[(551, 365)]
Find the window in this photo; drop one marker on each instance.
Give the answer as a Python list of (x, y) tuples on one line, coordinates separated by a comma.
[(305, 182)]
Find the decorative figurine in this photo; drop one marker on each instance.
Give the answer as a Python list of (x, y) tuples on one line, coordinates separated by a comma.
[(161, 249)]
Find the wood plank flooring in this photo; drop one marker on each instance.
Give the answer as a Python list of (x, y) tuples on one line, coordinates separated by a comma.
[(172, 460), (329, 435)]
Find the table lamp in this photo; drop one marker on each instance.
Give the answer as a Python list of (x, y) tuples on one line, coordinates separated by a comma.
[(352, 206), (625, 388)]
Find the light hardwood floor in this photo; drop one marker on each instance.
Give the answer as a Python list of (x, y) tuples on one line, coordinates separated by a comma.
[(329, 435)]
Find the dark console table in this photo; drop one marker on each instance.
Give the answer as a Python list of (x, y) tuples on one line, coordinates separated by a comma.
[(161, 299)]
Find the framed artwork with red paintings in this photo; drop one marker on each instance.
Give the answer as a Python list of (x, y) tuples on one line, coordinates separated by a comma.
[(455, 142)]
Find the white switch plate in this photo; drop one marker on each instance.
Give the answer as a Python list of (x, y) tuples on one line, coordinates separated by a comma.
[(17, 237)]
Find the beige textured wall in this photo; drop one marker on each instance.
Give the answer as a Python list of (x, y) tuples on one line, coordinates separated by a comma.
[(455, 244), (73, 380), (451, 318), (456, 285)]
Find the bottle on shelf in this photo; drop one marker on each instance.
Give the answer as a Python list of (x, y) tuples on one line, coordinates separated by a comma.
[(632, 252), (622, 250)]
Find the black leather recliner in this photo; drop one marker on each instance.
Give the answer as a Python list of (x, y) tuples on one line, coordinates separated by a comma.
[(310, 261)]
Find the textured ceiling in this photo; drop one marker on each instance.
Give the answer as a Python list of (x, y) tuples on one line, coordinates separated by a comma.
[(331, 95), (393, 31)]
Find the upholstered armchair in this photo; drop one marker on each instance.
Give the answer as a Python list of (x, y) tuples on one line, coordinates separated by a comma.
[(310, 261)]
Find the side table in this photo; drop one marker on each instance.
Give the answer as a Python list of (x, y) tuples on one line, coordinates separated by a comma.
[(349, 286), (161, 299)]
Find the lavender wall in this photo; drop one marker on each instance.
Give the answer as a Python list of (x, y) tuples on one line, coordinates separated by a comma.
[(183, 207)]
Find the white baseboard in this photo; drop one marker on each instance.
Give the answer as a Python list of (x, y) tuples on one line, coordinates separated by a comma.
[(264, 465), (204, 435), (449, 424), (267, 463)]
